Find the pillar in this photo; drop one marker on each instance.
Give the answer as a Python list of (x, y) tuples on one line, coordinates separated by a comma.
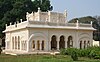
[(57, 43), (35, 45), (17, 42), (40, 45), (20, 45), (65, 42), (14, 43), (6, 45)]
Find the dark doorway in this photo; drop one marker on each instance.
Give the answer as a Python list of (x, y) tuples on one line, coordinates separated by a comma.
[(53, 43), (80, 44), (61, 42), (70, 42)]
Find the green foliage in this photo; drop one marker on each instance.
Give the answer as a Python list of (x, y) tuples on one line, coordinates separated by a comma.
[(91, 52), (43, 58), (74, 55), (14, 10), (63, 51), (70, 51), (95, 52), (86, 19)]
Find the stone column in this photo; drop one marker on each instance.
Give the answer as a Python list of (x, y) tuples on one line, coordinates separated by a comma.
[(14, 43), (40, 45), (35, 45), (49, 44), (17, 42), (65, 42), (6, 45), (20, 45), (57, 43)]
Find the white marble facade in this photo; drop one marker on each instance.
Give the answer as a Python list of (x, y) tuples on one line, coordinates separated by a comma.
[(46, 31)]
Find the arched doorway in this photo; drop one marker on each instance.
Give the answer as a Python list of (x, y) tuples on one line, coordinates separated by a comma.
[(88, 44), (53, 43), (84, 44), (70, 42), (43, 45), (33, 44), (38, 45), (62, 42), (80, 44)]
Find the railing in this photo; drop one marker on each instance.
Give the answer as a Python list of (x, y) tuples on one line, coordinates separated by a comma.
[(25, 23), (16, 26)]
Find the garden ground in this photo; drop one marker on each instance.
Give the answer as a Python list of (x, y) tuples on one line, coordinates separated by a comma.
[(43, 58)]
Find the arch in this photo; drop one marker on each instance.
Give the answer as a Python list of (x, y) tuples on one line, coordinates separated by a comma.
[(42, 45), (84, 40), (88, 43), (36, 36), (62, 42), (81, 44), (33, 44), (70, 42), (38, 45), (18, 42), (84, 36), (84, 44), (53, 43), (12, 42), (15, 42)]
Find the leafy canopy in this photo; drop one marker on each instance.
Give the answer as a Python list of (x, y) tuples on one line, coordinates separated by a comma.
[(14, 10)]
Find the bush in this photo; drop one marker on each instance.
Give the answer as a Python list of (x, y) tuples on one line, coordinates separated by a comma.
[(91, 52), (63, 51), (94, 54), (70, 51), (74, 56), (83, 52)]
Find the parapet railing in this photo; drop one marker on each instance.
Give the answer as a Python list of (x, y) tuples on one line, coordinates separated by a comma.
[(25, 23)]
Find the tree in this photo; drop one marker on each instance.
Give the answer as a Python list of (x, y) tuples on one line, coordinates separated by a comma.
[(14, 10), (96, 25), (97, 32)]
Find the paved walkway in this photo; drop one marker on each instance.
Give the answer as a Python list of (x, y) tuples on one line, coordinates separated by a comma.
[(34, 52)]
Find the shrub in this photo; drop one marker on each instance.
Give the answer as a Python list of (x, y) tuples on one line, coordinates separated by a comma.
[(91, 52), (84, 52), (94, 54), (70, 51), (63, 51), (74, 56)]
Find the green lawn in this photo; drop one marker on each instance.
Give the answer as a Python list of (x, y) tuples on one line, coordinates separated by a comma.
[(42, 58)]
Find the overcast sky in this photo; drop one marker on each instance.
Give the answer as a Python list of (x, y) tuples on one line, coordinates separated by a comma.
[(77, 8)]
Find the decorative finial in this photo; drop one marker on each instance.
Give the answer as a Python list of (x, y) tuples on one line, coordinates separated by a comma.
[(91, 22), (6, 25), (77, 24), (65, 13), (27, 13), (39, 9), (10, 23), (21, 20), (77, 21), (32, 12)]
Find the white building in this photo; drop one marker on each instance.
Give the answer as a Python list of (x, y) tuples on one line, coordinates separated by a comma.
[(43, 32)]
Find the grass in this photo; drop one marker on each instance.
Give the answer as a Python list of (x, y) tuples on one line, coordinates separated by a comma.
[(42, 58)]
